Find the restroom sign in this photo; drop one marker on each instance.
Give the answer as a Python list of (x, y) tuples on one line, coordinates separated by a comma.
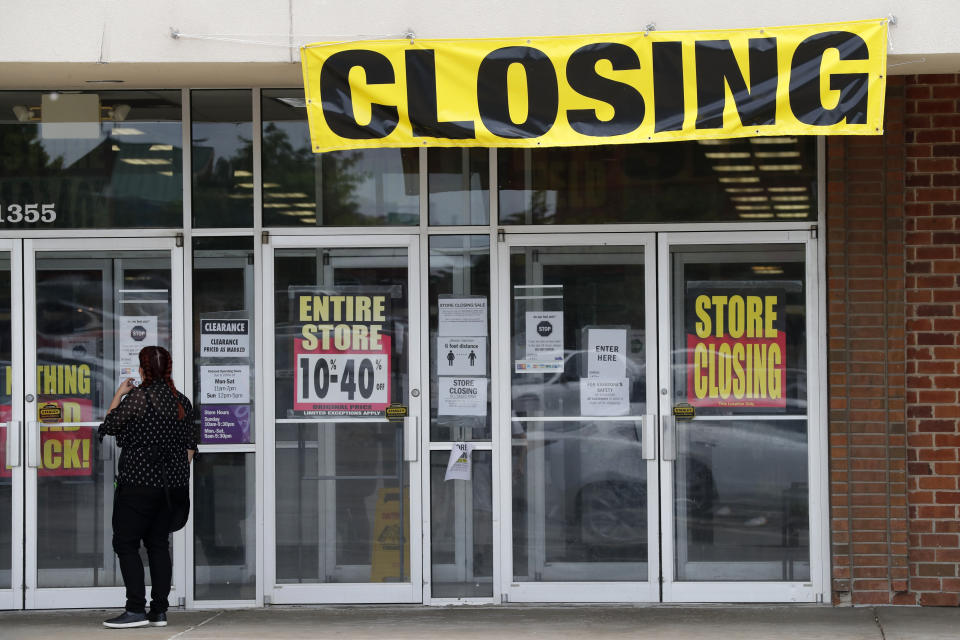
[(736, 346)]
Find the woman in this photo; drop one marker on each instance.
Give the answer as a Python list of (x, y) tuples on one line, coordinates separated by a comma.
[(154, 427)]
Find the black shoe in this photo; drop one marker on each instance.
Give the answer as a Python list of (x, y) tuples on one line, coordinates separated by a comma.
[(158, 619), (127, 620)]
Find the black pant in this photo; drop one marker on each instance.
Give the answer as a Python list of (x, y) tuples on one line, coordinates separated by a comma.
[(142, 514)]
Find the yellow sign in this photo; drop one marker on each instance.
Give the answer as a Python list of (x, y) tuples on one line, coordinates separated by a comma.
[(655, 86), (390, 560)]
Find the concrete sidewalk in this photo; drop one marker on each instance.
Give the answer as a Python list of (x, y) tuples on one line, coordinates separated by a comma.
[(504, 622)]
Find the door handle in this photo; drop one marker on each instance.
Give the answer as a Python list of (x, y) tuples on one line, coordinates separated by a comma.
[(13, 444), (411, 438), (669, 438), (648, 436), (33, 444)]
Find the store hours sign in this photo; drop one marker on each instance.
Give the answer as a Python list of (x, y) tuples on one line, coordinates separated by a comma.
[(341, 353)]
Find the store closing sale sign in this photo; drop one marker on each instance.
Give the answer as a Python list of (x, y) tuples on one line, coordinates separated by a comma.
[(627, 88), (736, 345), (341, 352)]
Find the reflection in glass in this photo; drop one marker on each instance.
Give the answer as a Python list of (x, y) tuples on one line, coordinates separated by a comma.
[(459, 267), (739, 352), (579, 483), (459, 180), (224, 527), (753, 273), (341, 188), (767, 178), (223, 292), (82, 300), (342, 488), (343, 503), (461, 529), (6, 474), (590, 288), (741, 507), (222, 165), (579, 502), (120, 169)]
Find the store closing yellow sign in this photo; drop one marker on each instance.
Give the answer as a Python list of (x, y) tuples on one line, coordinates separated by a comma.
[(653, 86)]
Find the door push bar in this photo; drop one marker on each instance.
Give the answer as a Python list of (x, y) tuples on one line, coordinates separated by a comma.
[(411, 438), (648, 436), (33, 444), (13, 444), (669, 437)]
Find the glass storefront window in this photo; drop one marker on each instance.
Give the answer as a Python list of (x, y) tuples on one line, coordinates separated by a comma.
[(365, 187), (89, 304), (342, 484), (6, 415), (459, 182), (740, 359), (459, 279), (224, 527), (746, 179), (461, 529), (579, 477), (90, 160), (222, 157), (223, 334)]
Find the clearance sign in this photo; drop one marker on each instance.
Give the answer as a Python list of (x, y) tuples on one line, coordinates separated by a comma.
[(736, 347), (653, 86)]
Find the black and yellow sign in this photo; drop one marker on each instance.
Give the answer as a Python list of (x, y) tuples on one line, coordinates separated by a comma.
[(684, 411), (50, 413), (652, 86), (396, 412)]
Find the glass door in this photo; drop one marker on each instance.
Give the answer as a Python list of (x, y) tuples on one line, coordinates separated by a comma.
[(344, 514), (581, 315), (11, 427), (742, 435), (89, 306)]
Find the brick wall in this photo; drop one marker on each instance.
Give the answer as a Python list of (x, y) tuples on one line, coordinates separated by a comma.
[(893, 260), (865, 327), (932, 125)]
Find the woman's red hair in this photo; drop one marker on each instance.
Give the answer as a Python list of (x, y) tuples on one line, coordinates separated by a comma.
[(158, 365)]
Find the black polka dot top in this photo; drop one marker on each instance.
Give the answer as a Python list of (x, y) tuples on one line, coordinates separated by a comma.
[(153, 441)]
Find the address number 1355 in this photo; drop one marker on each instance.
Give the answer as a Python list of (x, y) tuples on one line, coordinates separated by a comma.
[(29, 213)]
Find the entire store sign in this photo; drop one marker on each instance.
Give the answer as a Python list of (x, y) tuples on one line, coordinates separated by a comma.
[(341, 353), (653, 86), (736, 346)]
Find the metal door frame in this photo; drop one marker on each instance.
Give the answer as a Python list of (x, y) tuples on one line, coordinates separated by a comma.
[(817, 588), (343, 593), (12, 598), (86, 597), (570, 591)]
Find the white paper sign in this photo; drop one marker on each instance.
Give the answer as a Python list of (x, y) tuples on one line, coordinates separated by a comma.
[(461, 356), (544, 343), (462, 396), (221, 338), (458, 466), (606, 353), (133, 334), (604, 397), (225, 385), (462, 316)]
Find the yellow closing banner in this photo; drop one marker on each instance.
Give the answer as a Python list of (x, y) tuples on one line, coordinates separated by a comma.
[(654, 86)]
